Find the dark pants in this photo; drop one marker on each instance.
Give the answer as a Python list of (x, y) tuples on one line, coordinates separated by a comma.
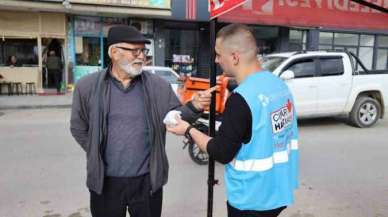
[(56, 78), (122, 194), (233, 212)]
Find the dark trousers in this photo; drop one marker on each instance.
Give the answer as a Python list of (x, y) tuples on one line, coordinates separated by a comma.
[(122, 194), (55, 78), (233, 212)]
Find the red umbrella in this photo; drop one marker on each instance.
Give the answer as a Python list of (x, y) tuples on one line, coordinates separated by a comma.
[(217, 8)]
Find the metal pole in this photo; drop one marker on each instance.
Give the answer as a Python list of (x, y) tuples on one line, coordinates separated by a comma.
[(212, 116), (371, 5)]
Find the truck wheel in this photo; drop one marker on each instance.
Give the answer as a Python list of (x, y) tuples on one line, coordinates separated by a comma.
[(366, 112)]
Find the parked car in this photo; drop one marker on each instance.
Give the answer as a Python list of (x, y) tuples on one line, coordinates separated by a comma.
[(166, 73), (331, 83)]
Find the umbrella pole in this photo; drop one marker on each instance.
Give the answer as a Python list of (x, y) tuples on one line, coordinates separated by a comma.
[(212, 116)]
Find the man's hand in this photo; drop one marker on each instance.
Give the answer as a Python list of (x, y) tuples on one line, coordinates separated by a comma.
[(180, 128), (202, 99)]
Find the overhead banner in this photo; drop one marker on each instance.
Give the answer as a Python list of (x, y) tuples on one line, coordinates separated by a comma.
[(220, 7), (159, 4), (310, 13)]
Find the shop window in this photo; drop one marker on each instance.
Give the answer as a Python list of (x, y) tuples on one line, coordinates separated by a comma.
[(382, 41), (345, 39), (382, 59), (182, 50), (326, 38), (266, 38), (325, 47), (297, 40), (365, 52), (361, 45), (366, 56), (23, 51), (88, 51), (382, 52), (367, 40)]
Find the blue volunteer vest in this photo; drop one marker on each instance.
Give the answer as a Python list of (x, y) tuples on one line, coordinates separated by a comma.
[(264, 173)]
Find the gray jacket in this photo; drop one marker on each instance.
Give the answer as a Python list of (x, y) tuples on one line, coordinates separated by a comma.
[(89, 127)]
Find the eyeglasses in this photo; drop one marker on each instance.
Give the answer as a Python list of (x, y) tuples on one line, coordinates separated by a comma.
[(136, 51)]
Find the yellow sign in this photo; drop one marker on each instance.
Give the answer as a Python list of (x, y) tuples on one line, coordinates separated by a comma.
[(160, 4)]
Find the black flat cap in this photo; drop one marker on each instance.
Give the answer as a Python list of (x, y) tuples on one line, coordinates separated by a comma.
[(125, 34)]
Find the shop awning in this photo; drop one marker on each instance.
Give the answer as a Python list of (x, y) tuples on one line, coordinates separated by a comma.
[(92, 7), (22, 24), (311, 13)]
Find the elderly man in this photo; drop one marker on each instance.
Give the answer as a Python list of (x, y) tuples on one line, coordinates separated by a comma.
[(258, 137), (117, 118)]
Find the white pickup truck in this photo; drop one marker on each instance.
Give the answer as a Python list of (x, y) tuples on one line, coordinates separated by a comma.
[(332, 83)]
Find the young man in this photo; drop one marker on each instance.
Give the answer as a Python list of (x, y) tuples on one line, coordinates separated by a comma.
[(258, 138)]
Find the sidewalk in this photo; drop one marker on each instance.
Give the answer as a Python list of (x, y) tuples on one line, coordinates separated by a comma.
[(35, 101)]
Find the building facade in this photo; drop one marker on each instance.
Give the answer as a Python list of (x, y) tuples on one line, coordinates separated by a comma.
[(75, 29), (26, 36), (292, 25), (179, 31)]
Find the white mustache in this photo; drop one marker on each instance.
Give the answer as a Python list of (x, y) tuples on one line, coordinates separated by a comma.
[(137, 62)]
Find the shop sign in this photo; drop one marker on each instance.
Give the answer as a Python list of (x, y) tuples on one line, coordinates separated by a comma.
[(219, 7), (310, 13), (87, 26), (161, 4), (181, 58), (182, 63), (108, 22)]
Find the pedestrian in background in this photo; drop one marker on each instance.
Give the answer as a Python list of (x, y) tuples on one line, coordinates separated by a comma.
[(54, 67)]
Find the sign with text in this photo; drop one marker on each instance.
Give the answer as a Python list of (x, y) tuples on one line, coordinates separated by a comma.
[(219, 7), (310, 13), (161, 4)]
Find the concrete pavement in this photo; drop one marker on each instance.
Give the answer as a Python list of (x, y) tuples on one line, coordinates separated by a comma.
[(35, 101), (343, 171)]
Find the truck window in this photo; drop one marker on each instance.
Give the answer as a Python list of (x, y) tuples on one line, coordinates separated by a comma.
[(167, 75), (271, 63), (331, 66), (303, 68)]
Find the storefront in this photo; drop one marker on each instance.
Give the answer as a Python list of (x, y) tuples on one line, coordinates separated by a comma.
[(87, 35), (179, 46), (87, 42), (75, 29), (370, 48), (183, 42), (319, 25), (25, 39)]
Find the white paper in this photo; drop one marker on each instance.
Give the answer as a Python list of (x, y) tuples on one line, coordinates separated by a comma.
[(170, 119)]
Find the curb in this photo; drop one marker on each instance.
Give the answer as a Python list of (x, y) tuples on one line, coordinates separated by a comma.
[(25, 107)]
